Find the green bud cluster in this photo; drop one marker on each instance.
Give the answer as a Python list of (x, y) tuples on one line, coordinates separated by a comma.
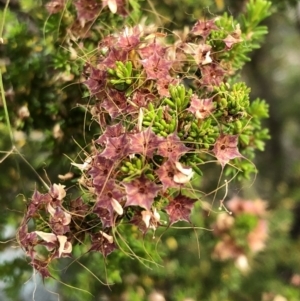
[(180, 98), (121, 75), (155, 118), (232, 102), (202, 133), (215, 39), (252, 33), (132, 168), (176, 104), (251, 136)]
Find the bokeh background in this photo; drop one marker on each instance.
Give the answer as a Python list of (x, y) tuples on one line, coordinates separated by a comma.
[(36, 82)]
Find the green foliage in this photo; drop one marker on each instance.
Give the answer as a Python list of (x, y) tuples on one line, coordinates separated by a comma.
[(251, 33)]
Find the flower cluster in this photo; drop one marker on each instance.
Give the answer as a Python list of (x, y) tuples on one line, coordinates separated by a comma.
[(48, 210), (243, 233), (163, 109)]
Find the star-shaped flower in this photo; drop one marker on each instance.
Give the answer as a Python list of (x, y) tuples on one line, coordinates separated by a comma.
[(101, 168), (55, 6), (106, 216), (179, 209), (87, 10), (163, 84), (166, 173), (212, 75), (200, 52), (141, 192), (226, 148), (115, 54), (203, 28), (201, 108), (96, 81), (172, 147), (59, 220), (129, 38), (151, 48), (115, 103), (156, 67), (115, 130), (37, 201), (144, 143), (103, 243), (116, 148)]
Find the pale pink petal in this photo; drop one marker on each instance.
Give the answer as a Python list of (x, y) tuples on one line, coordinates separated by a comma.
[(59, 189), (50, 209), (140, 119), (146, 216), (68, 247), (108, 237), (207, 59), (112, 5), (48, 237), (86, 165), (156, 215), (62, 241), (67, 219), (117, 206), (180, 178), (185, 170)]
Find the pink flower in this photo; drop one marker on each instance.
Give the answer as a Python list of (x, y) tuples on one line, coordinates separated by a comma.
[(225, 148), (129, 38), (180, 208), (116, 148), (166, 173), (103, 243), (256, 207), (212, 75), (257, 237), (200, 52), (156, 67), (201, 108), (141, 192), (55, 6), (87, 10), (172, 147), (144, 143), (204, 27)]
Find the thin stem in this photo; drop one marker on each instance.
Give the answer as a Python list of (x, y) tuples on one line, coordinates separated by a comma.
[(3, 19), (6, 110)]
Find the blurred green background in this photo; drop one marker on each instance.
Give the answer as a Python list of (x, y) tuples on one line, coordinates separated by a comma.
[(37, 80)]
